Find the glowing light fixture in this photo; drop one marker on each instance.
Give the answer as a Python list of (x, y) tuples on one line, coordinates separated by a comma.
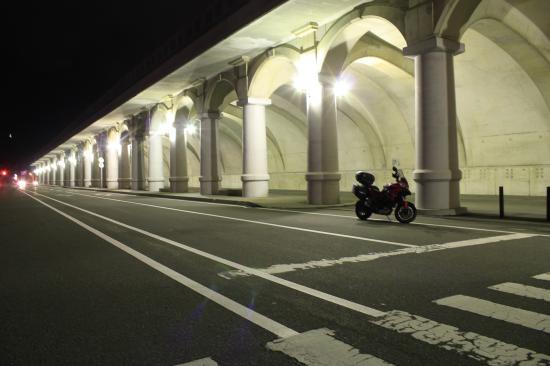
[(190, 129), (172, 134), (72, 160), (306, 78), (22, 184), (341, 87)]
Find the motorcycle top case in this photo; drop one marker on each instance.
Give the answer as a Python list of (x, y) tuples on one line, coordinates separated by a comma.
[(364, 178)]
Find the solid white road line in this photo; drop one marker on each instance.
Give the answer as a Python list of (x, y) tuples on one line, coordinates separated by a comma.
[(202, 362), (243, 311), (493, 310), (473, 345), (323, 263), (523, 290), (385, 220), (320, 348), (257, 222), (543, 276), (233, 306), (289, 284)]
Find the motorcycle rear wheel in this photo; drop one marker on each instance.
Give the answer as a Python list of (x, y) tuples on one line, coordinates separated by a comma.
[(362, 211), (405, 215)]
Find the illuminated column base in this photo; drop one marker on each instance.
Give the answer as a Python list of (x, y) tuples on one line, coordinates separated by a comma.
[(138, 160), (436, 173)]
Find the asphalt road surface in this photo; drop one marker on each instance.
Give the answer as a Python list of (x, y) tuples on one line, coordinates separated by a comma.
[(91, 278)]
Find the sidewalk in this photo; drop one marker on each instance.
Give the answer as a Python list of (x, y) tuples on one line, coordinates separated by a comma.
[(515, 207)]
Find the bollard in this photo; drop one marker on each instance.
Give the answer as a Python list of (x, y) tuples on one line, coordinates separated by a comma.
[(501, 201), (548, 203)]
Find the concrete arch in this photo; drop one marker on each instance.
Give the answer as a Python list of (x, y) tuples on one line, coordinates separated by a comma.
[(339, 40), (528, 18), (272, 70), (220, 92), (370, 45), (185, 107)]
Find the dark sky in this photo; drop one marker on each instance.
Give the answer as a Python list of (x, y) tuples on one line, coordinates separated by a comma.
[(62, 55)]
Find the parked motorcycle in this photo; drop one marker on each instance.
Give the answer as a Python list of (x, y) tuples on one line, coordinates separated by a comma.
[(391, 198)]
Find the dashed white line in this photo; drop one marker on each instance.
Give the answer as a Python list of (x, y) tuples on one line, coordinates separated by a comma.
[(543, 276), (268, 324), (528, 319), (320, 348), (323, 263), (202, 362), (523, 290)]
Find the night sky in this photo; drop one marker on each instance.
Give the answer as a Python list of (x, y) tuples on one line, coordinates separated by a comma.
[(60, 56)]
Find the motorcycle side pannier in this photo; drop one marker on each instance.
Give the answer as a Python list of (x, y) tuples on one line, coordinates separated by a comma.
[(364, 178), (359, 191)]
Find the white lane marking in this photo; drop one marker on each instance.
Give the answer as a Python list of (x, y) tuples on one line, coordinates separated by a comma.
[(543, 276), (233, 306), (412, 223), (341, 216), (258, 222), (289, 284), (320, 348), (202, 362), (528, 319), (323, 263), (523, 290), (473, 345)]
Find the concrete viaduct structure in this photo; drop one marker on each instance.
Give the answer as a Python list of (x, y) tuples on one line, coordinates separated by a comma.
[(455, 92)]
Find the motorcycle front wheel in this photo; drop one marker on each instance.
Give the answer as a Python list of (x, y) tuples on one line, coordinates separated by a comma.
[(362, 211), (404, 214)]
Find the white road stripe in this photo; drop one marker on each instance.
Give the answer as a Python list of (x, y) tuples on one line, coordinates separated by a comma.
[(523, 290), (332, 215), (289, 284), (323, 263), (489, 350), (385, 220), (202, 362), (257, 222), (493, 310), (233, 306), (320, 348), (543, 276)]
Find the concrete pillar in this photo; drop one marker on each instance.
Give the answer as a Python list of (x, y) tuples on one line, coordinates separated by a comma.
[(112, 150), (210, 171), (102, 157), (156, 171), (53, 171), (137, 127), (179, 181), (436, 172), (88, 157), (124, 177), (72, 169), (61, 170), (94, 181), (255, 176), (323, 177)]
